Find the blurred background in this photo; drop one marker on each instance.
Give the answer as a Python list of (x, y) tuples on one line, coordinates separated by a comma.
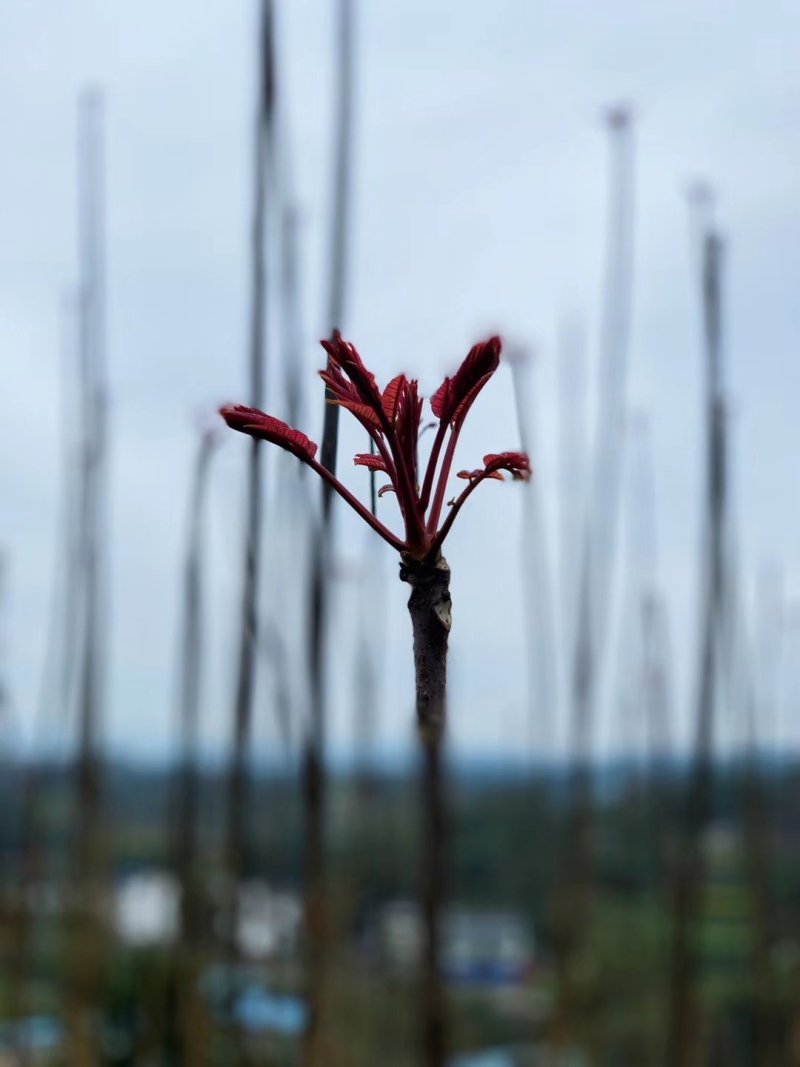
[(210, 815)]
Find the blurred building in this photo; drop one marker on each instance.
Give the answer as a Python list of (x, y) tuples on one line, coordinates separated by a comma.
[(479, 947), (147, 906)]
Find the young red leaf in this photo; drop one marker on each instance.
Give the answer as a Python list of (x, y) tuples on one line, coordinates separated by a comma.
[(338, 384), (386, 489), (408, 411), (343, 357), (516, 463), (455, 395), (266, 428), (391, 396), (361, 411), (367, 459)]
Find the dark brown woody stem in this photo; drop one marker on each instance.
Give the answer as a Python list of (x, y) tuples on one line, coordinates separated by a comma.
[(429, 606)]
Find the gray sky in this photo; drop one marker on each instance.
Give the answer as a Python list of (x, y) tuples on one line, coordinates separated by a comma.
[(480, 191)]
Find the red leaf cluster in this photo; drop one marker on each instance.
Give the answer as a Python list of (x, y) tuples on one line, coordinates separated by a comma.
[(392, 420)]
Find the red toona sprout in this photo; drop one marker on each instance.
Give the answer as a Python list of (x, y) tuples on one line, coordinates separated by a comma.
[(392, 420)]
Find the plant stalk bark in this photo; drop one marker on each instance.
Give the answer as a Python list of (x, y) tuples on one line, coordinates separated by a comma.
[(429, 607)]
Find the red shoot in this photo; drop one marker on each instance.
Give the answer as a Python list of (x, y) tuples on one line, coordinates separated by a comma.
[(392, 420)]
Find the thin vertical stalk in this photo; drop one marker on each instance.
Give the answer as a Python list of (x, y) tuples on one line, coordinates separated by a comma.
[(538, 598), (85, 950), (237, 786), (290, 314), (191, 1015), (367, 801), (760, 810), (573, 454), (758, 863), (650, 710), (15, 881), (651, 610), (340, 214), (684, 1022), (367, 671), (55, 691), (597, 562), (314, 786)]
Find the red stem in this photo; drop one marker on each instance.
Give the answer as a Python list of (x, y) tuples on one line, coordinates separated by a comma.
[(398, 472), (391, 470), (431, 468), (441, 487), (385, 455), (356, 504), (406, 490)]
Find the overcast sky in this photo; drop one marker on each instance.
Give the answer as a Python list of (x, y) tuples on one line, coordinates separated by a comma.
[(480, 182)]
